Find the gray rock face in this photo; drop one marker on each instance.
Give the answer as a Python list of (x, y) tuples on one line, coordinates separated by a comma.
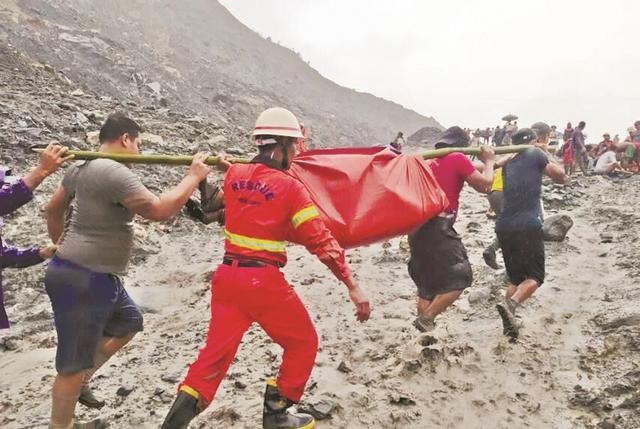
[(556, 227), (226, 72)]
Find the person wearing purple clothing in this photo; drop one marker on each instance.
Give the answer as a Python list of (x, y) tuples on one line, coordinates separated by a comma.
[(15, 194)]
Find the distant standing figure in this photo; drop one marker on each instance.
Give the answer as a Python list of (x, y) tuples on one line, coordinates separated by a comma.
[(629, 149), (397, 143), (475, 138), (509, 130), (578, 149), (486, 135), (554, 136), (498, 135), (301, 143), (568, 132)]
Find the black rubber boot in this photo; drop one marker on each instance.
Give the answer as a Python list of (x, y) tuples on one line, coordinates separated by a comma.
[(275, 414), (88, 399), (183, 410)]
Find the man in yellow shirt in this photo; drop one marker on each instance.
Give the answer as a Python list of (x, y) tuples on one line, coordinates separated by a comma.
[(495, 202)]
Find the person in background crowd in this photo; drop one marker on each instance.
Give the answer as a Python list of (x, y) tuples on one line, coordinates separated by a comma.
[(397, 143), (568, 132), (605, 144), (498, 134), (554, 137), (607, 163), (509, 130), (578, 149), (628, 149), (301, 143)]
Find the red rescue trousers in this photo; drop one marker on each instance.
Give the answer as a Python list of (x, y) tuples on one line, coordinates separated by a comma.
[(239, 297)]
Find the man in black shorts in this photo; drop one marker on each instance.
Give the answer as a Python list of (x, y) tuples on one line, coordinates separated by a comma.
[(439, 265), (519, 227)]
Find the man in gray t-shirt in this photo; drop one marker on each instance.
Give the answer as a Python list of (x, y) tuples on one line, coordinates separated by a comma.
[(99, 234), (94, 315)]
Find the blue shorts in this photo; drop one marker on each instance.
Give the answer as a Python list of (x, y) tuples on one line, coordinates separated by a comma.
[(87, 306)]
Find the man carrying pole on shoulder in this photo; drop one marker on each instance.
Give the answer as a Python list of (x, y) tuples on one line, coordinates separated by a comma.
[(519, 227), (94, 315), (439, 265), (264, 207)]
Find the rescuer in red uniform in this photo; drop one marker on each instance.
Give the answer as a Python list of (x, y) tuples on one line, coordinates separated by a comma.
[(265, 207)]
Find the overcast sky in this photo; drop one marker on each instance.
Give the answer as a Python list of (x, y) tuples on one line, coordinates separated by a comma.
[(471, 62)]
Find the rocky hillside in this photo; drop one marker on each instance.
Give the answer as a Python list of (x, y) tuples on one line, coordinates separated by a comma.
[(196, 58)]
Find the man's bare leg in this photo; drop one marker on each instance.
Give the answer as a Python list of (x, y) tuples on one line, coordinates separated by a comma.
[(511, 289), (583, 166), (525, 290), (65, 392), (106, 349), (428, 310), (423, 306), (423, 323), (441, 302)]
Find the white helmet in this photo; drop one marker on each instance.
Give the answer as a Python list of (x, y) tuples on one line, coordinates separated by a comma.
[(276, 121)]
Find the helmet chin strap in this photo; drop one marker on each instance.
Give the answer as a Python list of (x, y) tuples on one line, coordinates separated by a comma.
[(285, 156)]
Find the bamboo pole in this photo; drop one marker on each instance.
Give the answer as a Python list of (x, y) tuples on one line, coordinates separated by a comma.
[(499, 150), (214, 160), (144, 159)]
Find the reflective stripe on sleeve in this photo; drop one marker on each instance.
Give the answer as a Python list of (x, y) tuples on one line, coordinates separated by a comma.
[(304, 215)]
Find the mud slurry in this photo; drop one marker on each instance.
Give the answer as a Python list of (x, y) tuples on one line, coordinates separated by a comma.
[(575, 364), (612, 353)]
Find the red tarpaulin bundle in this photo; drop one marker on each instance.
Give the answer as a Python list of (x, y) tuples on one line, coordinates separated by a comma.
[(367, 195)]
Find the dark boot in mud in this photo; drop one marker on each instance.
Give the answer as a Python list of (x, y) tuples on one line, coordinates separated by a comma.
[(184, 409), (507, 311), (94, 424), (489, 256), (424, 324), (275, 414), (88, 399)]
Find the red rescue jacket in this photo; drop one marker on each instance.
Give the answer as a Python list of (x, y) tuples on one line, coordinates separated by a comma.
[(265, 207)]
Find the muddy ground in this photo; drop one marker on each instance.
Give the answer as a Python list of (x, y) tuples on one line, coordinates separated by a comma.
[(575, 365)]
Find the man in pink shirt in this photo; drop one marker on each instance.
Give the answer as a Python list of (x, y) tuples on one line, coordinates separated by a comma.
[(439, 265)]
